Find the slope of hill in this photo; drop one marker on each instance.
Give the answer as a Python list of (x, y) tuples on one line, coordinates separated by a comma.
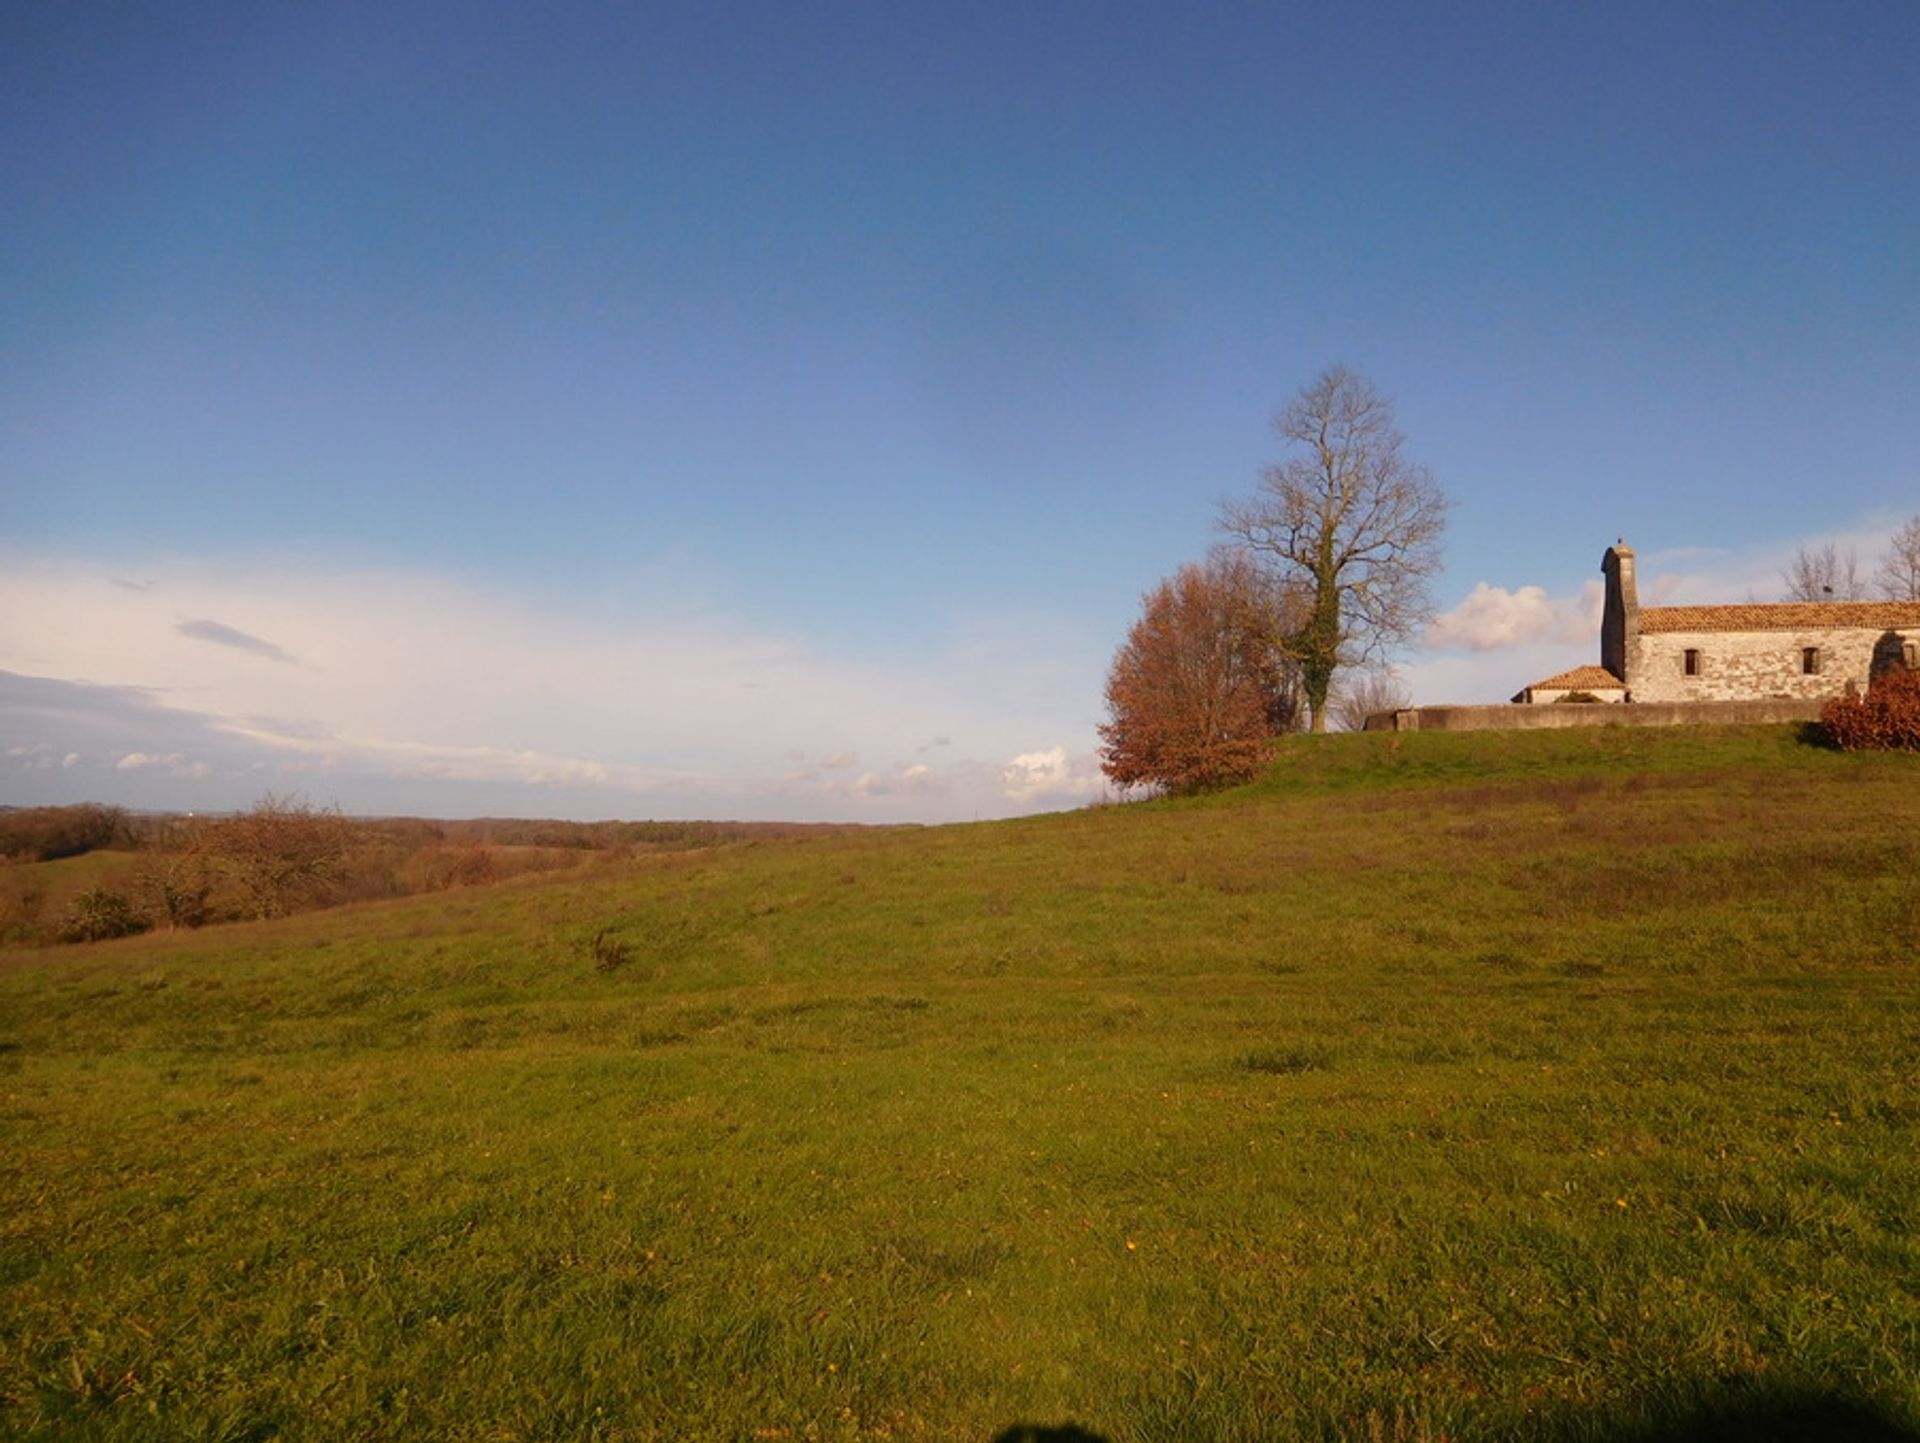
[(1549, 1085)]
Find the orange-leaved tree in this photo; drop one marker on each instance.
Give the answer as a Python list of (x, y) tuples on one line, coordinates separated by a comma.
[(1203, 683)]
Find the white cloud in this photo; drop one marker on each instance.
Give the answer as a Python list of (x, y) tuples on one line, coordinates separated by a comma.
[(1492, 617), (175, 763), (1053, 773)]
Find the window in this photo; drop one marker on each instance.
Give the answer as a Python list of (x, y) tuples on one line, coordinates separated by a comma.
[(1912, 651), (1690, 662), (1810, 661)]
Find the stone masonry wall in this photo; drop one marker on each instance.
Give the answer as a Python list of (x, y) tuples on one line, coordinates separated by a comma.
[(1750, 665)]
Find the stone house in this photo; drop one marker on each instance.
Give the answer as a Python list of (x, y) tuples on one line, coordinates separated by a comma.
[(1795, 651)]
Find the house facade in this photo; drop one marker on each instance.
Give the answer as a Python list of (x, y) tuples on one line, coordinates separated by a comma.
[(1794, 651), (1583, 683)]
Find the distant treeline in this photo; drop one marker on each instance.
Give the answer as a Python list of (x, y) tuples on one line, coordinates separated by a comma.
[(46, 834), (88, 872)]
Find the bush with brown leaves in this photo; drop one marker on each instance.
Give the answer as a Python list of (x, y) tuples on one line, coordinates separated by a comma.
[(1886, 719)]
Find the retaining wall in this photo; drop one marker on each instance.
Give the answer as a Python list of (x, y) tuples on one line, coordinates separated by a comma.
[(1515, 716)]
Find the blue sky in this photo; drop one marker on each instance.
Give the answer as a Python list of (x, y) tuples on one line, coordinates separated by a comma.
[(631, 410)]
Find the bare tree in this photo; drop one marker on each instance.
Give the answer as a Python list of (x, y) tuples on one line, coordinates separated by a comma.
[(1352, 522), (1827, 574), (1375, 690), (1900, 568)]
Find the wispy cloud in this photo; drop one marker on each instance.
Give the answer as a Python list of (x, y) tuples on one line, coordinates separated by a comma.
[(485, 700), (223, 635), (1692, 575), (918, 780)]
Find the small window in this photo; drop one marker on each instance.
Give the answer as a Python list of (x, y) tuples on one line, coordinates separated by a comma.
[(1810, 661), (1690, 662), (1912, 653)]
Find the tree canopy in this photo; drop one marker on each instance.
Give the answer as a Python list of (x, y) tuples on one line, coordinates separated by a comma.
[(1203, 682), (1351, 522)]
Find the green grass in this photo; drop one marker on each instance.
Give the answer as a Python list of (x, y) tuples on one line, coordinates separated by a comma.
[(60, 881), (1553, 1086), (35, 896)]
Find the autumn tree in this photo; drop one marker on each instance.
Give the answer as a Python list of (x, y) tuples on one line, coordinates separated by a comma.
[(282, 852), (1899, 573), (1824, 573), (1203, 683), (1350, 522)]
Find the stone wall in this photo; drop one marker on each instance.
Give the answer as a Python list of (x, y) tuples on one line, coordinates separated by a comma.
[(1514, 717), (1744, 665)]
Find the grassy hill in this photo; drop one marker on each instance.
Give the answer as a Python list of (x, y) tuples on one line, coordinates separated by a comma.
[(1548, 1086)]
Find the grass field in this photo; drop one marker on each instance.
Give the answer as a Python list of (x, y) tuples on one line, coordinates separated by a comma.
[(36, 890), (1547, 1086)]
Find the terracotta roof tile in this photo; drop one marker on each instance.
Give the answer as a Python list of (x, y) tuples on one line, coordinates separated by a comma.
[(1585, 678), (1783, 616), (1582, 678)]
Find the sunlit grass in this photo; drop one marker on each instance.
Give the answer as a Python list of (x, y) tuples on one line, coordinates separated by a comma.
[(1467, 1086)]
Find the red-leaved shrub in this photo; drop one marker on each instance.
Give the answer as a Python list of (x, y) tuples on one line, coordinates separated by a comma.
[(1886, 719)]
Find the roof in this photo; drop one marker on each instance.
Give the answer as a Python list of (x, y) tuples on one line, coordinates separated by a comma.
[(1784, 616), (1581, 678)]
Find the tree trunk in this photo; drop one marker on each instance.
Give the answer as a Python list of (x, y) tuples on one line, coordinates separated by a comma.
[(1318, 644)]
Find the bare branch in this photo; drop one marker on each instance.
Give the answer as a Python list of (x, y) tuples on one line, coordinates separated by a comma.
[(1351, 522), (1899, 573), (1823, 575)]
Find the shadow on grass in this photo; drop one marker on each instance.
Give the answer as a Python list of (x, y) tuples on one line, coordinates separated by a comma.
[(1735, 1410), (1745, 1411), (1815, 734)]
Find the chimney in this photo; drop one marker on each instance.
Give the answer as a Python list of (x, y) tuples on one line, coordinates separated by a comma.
[(1620, 623)]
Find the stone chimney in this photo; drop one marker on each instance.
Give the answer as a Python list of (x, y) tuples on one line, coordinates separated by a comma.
[(1620, 623)]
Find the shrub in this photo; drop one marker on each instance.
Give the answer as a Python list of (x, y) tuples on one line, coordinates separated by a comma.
[(1887, 718), (279, 855), (176, 888), (97, 915), (1577, 698)]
